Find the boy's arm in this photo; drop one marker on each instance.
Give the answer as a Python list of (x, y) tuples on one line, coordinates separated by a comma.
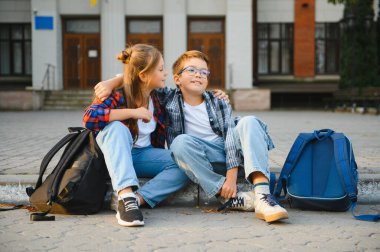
[(163, 94), (229, 188), (104, 88)]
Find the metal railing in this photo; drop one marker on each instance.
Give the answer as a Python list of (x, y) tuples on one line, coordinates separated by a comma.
[(49, 77)]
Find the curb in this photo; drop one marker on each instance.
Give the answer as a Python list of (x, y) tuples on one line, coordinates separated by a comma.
[(12, 191)]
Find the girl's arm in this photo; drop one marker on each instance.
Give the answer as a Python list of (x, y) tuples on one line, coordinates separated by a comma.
[(99, 113)]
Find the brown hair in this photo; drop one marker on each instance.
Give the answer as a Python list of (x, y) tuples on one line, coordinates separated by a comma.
[(137, 59), (178, 64)]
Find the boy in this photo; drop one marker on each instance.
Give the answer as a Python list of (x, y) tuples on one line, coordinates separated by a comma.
[(208, 146)]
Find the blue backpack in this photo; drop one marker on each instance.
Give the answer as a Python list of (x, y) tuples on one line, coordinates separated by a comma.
[(320, 173)]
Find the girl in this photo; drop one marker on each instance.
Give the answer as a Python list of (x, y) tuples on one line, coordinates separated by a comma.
[(131, 134)]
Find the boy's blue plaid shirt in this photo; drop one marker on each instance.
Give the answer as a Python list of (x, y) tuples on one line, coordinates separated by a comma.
[(220, 118)]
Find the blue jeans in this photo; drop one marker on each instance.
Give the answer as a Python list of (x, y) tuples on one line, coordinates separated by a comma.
[(205, 161), (125, 164)]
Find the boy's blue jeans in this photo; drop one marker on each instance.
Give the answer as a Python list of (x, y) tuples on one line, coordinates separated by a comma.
[(125, 164), (205, 161)]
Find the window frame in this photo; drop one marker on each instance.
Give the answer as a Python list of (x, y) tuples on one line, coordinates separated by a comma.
[(281, 40), (13, 41), (328, 41)]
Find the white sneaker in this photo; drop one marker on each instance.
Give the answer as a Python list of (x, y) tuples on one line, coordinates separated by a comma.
[(267, 208), (244, 201)]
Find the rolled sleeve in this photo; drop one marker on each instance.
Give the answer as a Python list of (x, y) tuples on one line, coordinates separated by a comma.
[(97, 115)]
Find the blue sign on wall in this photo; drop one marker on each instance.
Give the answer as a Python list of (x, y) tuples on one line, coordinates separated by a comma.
[(43, 22)]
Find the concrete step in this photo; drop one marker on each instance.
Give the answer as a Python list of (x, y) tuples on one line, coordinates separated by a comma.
[(72, 92), (52, 108), (67, 103), (12, 191), (68, 99)]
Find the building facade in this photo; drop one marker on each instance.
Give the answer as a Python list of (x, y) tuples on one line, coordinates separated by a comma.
[(289, 47)]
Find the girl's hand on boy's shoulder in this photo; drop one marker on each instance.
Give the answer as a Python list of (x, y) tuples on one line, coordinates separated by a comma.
[(220, 94), (102, 90)]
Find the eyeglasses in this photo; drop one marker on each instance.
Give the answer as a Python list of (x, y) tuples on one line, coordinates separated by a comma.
[(204, 73)]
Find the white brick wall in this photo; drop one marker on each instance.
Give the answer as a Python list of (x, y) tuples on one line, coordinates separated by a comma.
[(275, 11), (15, 11), (328, 12), (206, 7), (46, 44), (239, 44)]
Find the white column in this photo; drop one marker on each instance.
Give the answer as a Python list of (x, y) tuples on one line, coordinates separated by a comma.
[(175, 33), (112, 36), (239, 44), (46, 45)]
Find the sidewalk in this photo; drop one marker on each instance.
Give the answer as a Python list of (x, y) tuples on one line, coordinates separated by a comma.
[(27, 136)]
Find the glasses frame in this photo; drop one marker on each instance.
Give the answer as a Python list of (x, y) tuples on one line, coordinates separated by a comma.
[(204, 73)]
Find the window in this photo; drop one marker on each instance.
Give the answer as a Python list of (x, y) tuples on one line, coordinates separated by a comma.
[(327, 48), (82, 26), (15, 50), (275, 48)]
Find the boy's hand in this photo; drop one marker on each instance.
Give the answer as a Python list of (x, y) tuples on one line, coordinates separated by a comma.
[(142, 113), (103, 90), (229, 189), (220, 94)]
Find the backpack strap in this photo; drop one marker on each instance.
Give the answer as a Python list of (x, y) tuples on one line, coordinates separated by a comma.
[(343, 161), (46, 160), (65, 159), (294, 153)]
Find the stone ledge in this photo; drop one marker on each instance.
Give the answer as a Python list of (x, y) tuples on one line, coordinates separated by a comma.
[(12, 190), (256, 99)]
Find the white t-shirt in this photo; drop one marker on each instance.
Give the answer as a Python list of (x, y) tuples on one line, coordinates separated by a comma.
[(145, 129), (197, 122)]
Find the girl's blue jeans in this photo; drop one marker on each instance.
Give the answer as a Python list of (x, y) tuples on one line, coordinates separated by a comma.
[(125, 164)]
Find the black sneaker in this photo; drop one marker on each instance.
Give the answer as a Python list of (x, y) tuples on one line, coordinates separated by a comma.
[(128, 213)]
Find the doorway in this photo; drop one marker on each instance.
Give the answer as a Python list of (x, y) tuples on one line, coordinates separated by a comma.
[(208, 36), (81, 53)]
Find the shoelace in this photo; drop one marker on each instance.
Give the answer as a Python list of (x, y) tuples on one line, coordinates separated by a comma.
[(236, 202), (130, 204), (232, 202), (268, 198)]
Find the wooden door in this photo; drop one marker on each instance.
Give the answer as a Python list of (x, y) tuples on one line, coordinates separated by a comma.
[(91, 58), (81, 59), (208, 36), (146, 31)]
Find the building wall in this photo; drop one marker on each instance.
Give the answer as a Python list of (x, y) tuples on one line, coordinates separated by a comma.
[(112, 36), (144, 7), (304, 41), (206, 7), (175, 14), (47, 44), (275, 11), (239, 44), (328, 12), (15, 11)]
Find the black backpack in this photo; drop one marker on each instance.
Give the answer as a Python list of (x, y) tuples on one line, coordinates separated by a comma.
[(78, 183)]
